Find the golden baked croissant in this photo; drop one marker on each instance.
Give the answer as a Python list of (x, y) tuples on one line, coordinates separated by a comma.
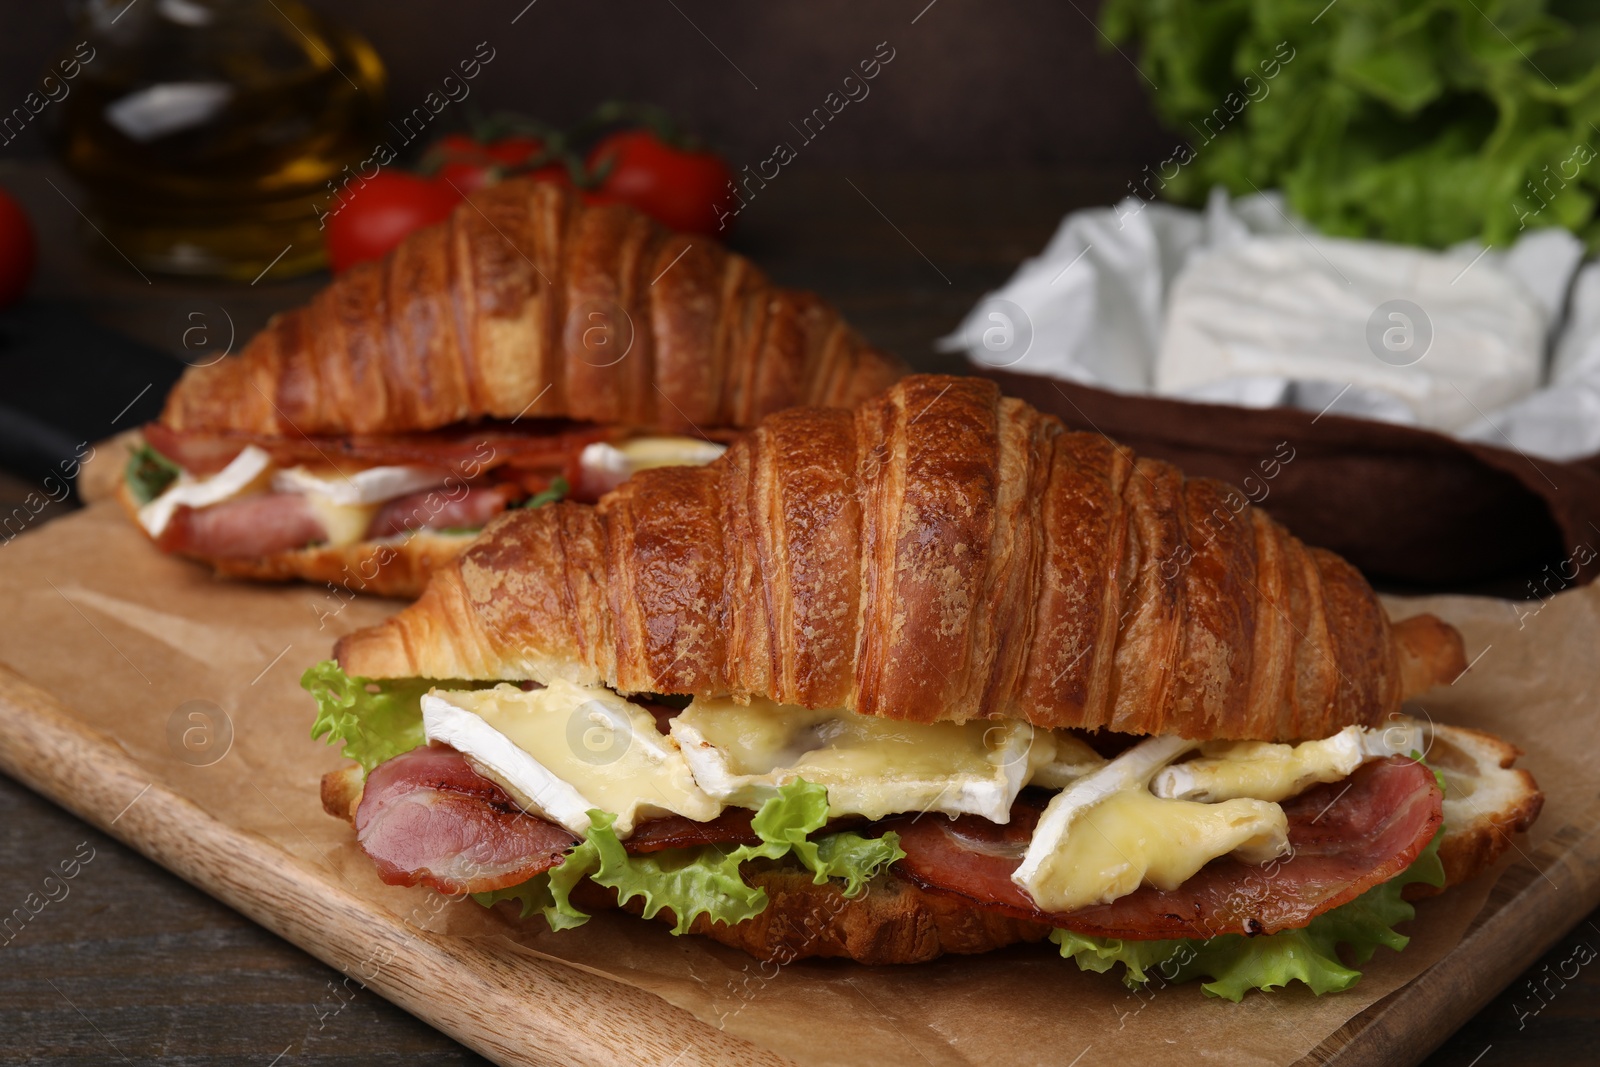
[(526, 303), (494, 347), (938, 553)]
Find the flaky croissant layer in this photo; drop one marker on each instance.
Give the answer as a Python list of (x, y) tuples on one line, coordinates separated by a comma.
[(938, 553), (526, 303)]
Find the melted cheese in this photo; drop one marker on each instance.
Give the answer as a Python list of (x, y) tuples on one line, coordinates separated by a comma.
[(343, 524), (1105, 834), (373, 485), (1139, 819), (567, 748), (1132, 838), (247, 473), (1228, 769), (643, 453), (346, 503), (870, 766), (1072, 760)]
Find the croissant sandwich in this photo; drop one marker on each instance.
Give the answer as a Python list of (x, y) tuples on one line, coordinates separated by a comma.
[(528, 346), (933, 675)]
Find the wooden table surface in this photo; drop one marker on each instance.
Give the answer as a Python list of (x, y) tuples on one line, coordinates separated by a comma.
[(133, 965)]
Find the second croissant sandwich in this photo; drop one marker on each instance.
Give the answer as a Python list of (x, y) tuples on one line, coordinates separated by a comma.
[(931, 675), (527, 346)]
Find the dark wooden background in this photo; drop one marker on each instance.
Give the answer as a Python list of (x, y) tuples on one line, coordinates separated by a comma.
[(972, 84), (990, 124)]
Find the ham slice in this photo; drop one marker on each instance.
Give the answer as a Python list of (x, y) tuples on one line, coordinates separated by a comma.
[(263, 524), (1347, 837), (246, 528), (427, 818), (432, 509)]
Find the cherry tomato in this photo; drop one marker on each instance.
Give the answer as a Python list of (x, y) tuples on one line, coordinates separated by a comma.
[(678, 187), (469, 165), (374, 218), (17, 250)]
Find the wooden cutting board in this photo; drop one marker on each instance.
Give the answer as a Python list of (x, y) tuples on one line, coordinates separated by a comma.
[(107, 651)]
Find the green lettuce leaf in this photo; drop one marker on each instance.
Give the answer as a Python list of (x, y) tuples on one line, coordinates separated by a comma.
[(691, 882), (557, 491), (373, 720), (705, 881), (852, 857), (149, 473), (1236, 964), (532, 896)]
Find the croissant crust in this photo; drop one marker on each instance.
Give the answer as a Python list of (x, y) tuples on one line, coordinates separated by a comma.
[(939, 553), (527, 303)]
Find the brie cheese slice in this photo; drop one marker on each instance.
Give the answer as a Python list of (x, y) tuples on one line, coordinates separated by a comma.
[(371, 486), (245, 473), (643, 453), (869, 765), (1106, 834), (343, 524), (1072, 760), (1267, 771), (566, 749)]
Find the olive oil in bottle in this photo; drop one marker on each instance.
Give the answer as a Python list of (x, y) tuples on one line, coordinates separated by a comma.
[(205, 131)]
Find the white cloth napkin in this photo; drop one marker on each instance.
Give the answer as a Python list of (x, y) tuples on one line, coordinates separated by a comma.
[(1244, 304)]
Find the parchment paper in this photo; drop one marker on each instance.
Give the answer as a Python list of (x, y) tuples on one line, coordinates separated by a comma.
[(129, 639)]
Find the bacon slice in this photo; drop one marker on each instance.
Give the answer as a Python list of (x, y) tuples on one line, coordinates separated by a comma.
[(1347, 837), (732, 827), (427, 818), (247, 528), (467, 450)]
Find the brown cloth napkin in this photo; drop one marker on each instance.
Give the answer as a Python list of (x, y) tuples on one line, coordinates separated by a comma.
[(1415, 510)]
